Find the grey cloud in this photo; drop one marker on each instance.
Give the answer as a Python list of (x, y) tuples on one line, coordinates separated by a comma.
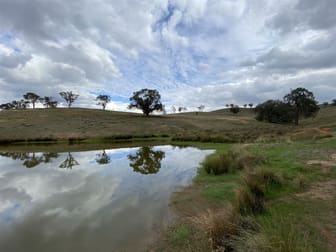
[(306, 14), (13, 60), (278, 58)]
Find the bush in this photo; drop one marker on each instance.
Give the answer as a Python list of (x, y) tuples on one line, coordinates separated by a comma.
[(275, 111)]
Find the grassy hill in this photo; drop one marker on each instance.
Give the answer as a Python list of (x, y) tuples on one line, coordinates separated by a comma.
[(77, 123)]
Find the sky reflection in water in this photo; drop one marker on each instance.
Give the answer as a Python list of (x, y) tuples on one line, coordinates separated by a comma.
[(108, 200)]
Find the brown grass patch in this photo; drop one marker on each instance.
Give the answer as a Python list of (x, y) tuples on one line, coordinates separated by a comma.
[(322, 191), (221, 226), (311, 133)]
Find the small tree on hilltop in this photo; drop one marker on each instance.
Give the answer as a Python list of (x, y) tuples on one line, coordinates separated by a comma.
[(148, 100), (303, 103), (31, 97), (250, 105), (48, 102), (103, 100), (201, 108), (182, 109), (69, 97)]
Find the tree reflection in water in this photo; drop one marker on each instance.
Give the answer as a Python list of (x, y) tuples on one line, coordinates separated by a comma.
[(103, 158), (69, 162), (32, 159), (146, 160)]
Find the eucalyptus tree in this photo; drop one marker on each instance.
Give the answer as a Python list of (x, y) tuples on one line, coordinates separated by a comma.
[(69, 97)]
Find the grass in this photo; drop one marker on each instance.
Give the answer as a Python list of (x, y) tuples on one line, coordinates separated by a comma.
[(77, 123), (268, 196)]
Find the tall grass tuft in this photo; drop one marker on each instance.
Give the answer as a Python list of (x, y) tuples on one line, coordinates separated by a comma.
[(237, 158), (279, 236), (217, 164), (250, 198), (221, 226)]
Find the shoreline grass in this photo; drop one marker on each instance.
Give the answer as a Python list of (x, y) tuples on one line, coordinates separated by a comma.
[(271, 215)]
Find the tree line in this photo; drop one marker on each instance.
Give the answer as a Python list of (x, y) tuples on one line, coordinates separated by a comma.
[(299, 103), (31, 98)]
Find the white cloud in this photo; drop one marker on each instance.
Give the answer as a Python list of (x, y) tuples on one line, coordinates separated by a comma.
[(241, 51)]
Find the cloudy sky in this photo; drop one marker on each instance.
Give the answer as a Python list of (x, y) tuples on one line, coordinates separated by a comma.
[(194, 52)]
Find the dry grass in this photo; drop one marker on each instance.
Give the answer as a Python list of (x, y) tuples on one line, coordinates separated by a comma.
[(221, 226), (61, 123)]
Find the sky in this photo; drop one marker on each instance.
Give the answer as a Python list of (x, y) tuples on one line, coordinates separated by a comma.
[(194, 52)]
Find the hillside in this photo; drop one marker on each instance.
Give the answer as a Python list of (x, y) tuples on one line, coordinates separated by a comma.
[(63, 123)]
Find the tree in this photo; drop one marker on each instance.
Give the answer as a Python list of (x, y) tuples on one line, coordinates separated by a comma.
[(31, 97), (148, 100), (333, 102), (201, 108), (275, 111), (303, 102), (6, 106), (181, 109), (234, 109), (22, 104), (250, 105), (103, 100), (48, 102), (69, 97), (245, 105)]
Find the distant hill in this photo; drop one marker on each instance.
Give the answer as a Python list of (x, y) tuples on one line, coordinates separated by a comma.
[(64, 123)]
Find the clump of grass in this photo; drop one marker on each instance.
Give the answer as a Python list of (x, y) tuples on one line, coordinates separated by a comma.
[(285, 237), (236, 159), (243, 159), (217, 164), (221, 226), (299, 182), (251, 197)]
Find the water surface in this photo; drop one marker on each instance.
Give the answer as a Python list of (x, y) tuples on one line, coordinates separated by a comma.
[(106, 200)]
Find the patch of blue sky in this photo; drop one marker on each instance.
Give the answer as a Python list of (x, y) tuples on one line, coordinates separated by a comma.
[(8, 216), (200, 28), (157, 26), (7, 39)]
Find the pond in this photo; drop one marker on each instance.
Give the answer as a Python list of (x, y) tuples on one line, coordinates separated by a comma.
[(102, 200)]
